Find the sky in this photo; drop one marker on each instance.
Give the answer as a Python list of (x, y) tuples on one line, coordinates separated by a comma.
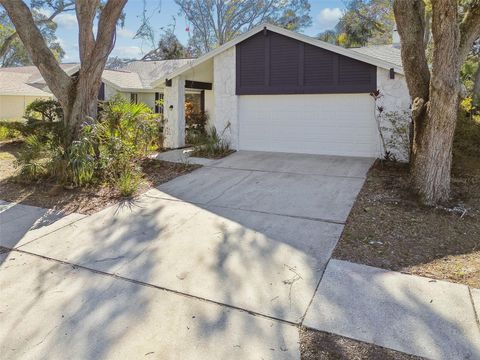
[(165, 13)]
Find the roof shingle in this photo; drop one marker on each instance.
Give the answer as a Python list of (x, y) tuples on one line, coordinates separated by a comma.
[(15, 83), (387, 53)]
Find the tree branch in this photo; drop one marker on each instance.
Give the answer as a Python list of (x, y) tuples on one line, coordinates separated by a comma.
[(410, 19), (86, 10), (6, 44), (57, 80), (62, 7), (106, 33), (469, 29)]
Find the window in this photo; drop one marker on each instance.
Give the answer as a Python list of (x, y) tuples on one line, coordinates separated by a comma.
[(101, 92), (158, 103), (134, 98)]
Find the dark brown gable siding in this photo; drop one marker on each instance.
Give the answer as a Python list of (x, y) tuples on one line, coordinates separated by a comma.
[(270, 63), (252, 62), (284, 60)]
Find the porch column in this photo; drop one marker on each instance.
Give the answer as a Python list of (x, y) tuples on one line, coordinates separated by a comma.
[(174, 113)]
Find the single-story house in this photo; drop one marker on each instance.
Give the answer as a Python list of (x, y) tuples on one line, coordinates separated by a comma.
[(135, 81), (19, 87), (271, 89)]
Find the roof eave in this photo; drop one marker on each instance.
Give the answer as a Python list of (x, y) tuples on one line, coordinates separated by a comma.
[(26, 94), (304, 38), (125, 89), (70, 71)]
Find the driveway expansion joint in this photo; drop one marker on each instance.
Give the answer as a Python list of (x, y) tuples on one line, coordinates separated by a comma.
[(477, 315), (141, 283), (302, 319), (330, 221), (52, 230), (285, 172)]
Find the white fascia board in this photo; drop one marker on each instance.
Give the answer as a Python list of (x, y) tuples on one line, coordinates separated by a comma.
[(70, 71), (291, 34), (26, 94)]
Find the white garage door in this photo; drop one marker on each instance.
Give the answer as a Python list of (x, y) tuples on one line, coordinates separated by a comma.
[(331, 124)]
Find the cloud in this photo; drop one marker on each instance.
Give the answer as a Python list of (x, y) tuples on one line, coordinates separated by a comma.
[(125, 33), (328, 18), (66, 20), (127, 51)]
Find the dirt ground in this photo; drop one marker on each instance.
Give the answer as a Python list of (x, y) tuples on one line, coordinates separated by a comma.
[(388, 228), (317, 345), (86, 200)]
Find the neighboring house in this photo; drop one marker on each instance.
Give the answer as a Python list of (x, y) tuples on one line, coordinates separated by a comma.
[(271, 89), (135, 81), (19, 87), (15, 94)]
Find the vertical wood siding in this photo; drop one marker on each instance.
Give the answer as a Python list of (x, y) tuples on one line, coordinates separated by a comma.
[(270, 63)]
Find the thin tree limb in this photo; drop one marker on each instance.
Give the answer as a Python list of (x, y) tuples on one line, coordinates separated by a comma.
[(58, 81), (410, 18)]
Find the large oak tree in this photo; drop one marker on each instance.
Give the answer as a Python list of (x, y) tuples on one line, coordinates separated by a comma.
[(12, 51), (435, 89), (216, 22), (77, 94)]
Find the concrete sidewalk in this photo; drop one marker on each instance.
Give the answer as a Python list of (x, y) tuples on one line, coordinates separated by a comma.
[(412, 314), (21, 223)]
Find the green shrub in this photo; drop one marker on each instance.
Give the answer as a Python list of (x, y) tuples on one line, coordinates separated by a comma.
[(134, 125), (211, 145), (22, 129), (44, 110), (9, 132), (128, 182), (106, 150), (32, 158)]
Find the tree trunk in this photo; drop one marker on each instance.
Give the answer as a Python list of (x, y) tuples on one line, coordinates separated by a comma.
[(435, 125), (77, 94), (432, 162), (82, 106)]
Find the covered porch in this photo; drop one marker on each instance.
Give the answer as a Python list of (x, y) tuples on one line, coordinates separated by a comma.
[(179, 89), (213, 74)]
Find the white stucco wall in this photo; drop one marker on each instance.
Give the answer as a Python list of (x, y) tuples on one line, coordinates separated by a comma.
[(210, 106), (12, 107), (148, 99), (110, 92), (395, 101), (225, 101), (174, 114)]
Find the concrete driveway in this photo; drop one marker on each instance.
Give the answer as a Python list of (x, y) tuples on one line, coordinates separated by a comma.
[(252, 232)]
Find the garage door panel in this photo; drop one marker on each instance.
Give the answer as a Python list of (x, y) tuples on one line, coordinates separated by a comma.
[(317, 124)]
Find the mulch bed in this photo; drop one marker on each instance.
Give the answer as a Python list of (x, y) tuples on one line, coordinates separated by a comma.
[(203, 154), (87, 200), (388, 228), (317, 345)]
